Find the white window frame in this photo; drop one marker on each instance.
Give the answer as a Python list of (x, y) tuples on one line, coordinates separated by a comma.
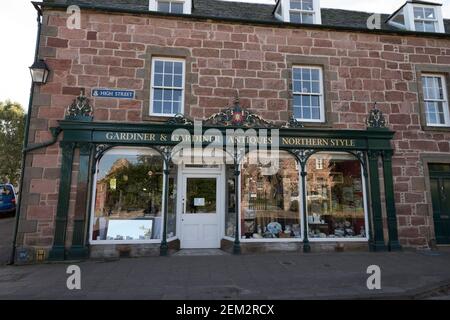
[(123, 151), (152, 86), (286, 10), (444, 101), (321, 94), (187, 5), (410, 20)]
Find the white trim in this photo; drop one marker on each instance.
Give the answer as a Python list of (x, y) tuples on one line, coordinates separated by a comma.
[(187, 5), (410, 20), (183, 86), (445, 101), (286, 10), (183, 174), (124, 151), (320, 95)]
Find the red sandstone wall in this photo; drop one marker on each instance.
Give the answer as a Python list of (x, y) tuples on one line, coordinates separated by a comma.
[(362, 68)]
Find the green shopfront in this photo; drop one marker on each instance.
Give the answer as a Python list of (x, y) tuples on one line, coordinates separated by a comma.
[(154, 188)]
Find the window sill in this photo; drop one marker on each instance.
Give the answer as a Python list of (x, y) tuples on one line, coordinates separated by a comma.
[(436, 128), (158, 119)]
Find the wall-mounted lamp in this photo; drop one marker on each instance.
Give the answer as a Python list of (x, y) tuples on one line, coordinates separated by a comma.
[(39, 72)]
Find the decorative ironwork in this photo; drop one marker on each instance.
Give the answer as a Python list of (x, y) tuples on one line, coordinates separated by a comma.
[(180, 119), (80, 109), (238, 117), (376, 118), (303, 155), (101, 149), (293, 123)]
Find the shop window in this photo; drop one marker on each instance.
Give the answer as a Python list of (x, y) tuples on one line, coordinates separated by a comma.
[(270, 201), (128, 196), (435, 100), (230, 214), (167, 94), (335, 197), (307, 89)]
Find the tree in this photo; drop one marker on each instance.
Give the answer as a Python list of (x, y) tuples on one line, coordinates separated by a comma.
[(12, 125)]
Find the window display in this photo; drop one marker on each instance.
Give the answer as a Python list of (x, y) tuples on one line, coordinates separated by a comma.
[(335, 196), (230, 213), (270, 203), (128, 202)]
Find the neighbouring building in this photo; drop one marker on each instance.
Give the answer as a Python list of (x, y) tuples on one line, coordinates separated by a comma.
[(357, 104)]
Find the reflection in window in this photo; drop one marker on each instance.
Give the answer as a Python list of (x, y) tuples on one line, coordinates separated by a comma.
[(230, 214), (435, 100), (270, 202), (425, 19), (335, 197), (172, 203), (170, 6), (128, 202), (201, 196)]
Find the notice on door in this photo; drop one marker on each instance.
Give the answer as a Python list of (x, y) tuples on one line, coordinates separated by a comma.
[(199, 202)]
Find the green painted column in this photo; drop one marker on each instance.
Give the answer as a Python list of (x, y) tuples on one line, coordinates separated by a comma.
[(79, 249), (58, 250), (377, 218), (306, 245), (237, 241), (394, 244), (164, 249)]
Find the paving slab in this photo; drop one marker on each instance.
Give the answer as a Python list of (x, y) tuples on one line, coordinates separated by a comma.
[(404, 275)]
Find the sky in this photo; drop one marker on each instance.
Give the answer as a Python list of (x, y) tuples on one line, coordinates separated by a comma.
[(18, 38)]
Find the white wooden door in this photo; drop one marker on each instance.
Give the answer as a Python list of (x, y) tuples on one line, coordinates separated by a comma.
[(200, 224)]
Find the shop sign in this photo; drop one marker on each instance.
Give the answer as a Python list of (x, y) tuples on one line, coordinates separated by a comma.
[(112, 93), (165, 139)]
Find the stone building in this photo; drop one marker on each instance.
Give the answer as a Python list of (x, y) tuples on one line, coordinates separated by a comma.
[(357, 103)]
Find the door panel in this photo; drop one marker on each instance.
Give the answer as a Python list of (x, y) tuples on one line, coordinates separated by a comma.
[(440, 194), (200, 216)]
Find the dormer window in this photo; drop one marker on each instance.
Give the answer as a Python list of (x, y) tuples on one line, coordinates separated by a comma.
[(425, 19), (298, 11), (171, 6), (418, 16), (301, 11)]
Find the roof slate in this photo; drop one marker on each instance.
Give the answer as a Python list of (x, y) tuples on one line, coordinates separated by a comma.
[(255, 12)]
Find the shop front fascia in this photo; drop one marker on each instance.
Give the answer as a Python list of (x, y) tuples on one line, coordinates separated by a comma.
[(93, 139)]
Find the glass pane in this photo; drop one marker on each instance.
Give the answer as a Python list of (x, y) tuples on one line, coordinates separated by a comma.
[(297, 74), (168, 67), (307, 18), (335, 197), (178, 81), (270, 198), (308, 5), (157, 107), (178, 68), (157, 94), (168, 80), (128, 198), (430, 26), (429, 13), (172, 207), (315, 87), (230, 214), (418, 13), (201, 195), (419, 26), (315, 113), (295, 17), (297, 86), (159, 66), (163, 6), (296, 4), (315, 74), (158, 80), (167, 107), (177, 7)]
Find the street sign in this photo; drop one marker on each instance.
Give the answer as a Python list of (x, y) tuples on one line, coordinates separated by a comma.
[(112, 93)]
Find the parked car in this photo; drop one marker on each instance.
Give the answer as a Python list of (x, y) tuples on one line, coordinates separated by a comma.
[(7, 199)]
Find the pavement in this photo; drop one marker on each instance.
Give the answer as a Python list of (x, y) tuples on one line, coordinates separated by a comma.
[(214, 274), (404, 275), (6, 234)]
